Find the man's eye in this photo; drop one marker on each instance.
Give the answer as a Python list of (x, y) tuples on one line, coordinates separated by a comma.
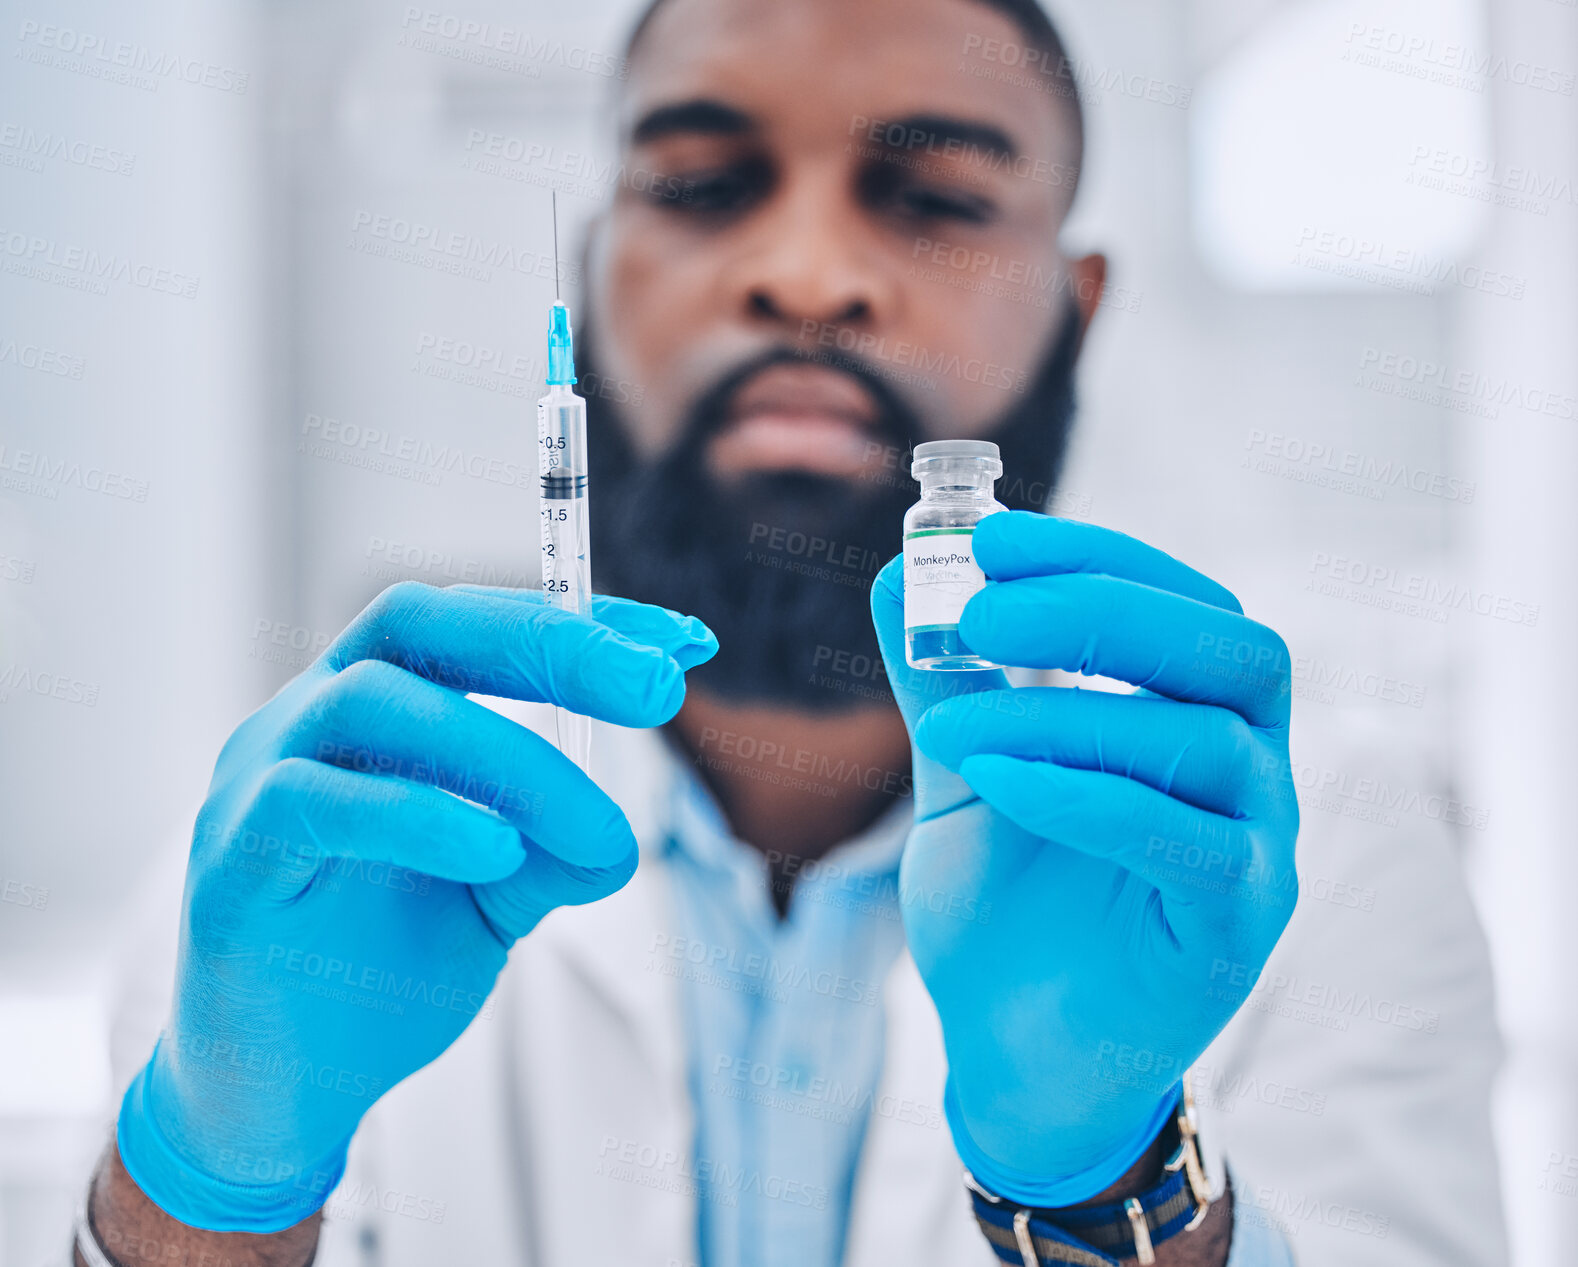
[(893, 192), (714, 191), (930, 204)]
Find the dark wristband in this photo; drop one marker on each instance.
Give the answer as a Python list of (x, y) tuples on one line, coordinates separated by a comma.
[(1101, 1235)]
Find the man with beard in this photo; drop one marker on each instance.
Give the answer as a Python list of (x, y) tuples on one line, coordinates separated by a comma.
[(776, 1042)]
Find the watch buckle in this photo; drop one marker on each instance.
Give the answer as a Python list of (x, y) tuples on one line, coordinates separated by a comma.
[(1187, 1156), (1027, 1244), (1144, 1251)]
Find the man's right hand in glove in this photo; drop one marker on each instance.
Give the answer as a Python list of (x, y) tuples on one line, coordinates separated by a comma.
[(372, 844)]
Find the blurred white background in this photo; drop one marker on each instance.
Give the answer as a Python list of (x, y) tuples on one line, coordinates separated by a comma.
[(1331, 236)]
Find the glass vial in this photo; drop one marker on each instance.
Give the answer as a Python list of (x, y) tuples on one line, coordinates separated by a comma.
[(940, 571)]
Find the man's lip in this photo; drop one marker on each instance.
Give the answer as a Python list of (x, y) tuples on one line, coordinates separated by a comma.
[(791, 388), (798, 417), (821, 444)]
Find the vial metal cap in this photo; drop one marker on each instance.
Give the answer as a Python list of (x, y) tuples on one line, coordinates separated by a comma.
[(951, 451)]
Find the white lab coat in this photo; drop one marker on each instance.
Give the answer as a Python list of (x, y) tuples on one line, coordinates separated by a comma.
[(556, 1131)]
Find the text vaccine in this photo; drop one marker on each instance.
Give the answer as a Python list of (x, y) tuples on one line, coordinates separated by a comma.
[(940, 571)]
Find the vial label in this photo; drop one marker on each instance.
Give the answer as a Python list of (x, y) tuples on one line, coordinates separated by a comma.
[(940, 575)]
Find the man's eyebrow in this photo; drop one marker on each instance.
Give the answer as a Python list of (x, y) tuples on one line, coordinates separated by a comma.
[(702, 115), (938, 129)]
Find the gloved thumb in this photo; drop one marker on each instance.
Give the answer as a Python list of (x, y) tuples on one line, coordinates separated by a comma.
[(515, 905), (937, 791)]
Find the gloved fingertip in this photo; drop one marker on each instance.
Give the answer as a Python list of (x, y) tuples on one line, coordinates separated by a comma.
[(999, 533), (978, 617), (621, 873), (933, 736), (675, 695), (608, 848), (642, 687), (691, 628), (999, 525), (701, 644), (698, 632), (691, 655), (663, 694), (597, 882), (501, 854), (614, 870), (986, 772)]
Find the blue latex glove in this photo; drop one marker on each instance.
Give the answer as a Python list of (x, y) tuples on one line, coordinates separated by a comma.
[(1094, 880), (347, 911)]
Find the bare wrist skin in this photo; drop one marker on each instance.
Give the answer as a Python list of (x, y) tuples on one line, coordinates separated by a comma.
[(134, 1231), (1206, 1246)]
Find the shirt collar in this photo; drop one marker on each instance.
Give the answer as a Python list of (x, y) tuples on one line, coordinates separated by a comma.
[(698, 828)]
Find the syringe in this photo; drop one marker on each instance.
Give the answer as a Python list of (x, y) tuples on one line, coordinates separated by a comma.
[(566, 558)]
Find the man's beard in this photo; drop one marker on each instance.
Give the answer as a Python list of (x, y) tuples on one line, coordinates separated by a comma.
[(780, 564)]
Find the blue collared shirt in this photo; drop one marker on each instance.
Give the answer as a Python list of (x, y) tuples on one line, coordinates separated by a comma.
[(784, 1026)]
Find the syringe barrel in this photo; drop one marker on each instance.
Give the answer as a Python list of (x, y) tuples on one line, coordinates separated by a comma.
[(561, 432), (562, 465)]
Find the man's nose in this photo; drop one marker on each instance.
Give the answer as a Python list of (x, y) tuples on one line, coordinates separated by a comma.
[(810, 259)]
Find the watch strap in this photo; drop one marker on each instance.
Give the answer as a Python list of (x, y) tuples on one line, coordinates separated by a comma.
[(1101, 1235), (86, 1241)]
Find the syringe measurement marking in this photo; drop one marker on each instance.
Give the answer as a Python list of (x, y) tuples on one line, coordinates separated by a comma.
[(550, 570), (549, 461)]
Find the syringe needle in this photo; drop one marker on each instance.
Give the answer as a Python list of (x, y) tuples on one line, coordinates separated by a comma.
[(553, 195)]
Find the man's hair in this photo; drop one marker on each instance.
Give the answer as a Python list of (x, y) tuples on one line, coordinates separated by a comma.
[(1057, 67), (1041, 37)]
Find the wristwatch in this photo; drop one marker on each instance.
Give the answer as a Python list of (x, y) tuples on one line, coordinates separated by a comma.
[(85, 1240), (1100, 1235)]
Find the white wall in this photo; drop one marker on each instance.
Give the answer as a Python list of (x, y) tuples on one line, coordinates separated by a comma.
[(1516, 692), (140, 607)]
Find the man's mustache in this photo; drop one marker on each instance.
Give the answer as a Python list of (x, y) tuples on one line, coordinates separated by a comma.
[(894, 420)]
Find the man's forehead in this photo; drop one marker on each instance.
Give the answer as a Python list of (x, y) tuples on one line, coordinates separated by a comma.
[(824, 64)]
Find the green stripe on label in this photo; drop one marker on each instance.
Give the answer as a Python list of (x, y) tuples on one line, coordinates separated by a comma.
[(939, 532)]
